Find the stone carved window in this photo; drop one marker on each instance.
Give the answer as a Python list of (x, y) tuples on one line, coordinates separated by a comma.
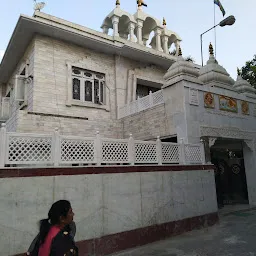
[(88, 86)]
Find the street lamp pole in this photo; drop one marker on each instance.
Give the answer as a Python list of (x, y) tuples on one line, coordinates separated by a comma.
[(229, 21)]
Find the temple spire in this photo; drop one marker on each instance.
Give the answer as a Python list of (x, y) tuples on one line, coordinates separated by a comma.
[(141, 3), (180, 52), (117, 3), (238, 72), (164, 22), (211, 51)]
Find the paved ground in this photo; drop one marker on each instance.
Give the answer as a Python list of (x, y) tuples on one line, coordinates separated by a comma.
[(234, 236)]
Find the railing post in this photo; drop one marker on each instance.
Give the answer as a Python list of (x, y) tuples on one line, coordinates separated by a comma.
[(202, 151), (3, 148), (150, 99), (182, 156), (56, 147), (131, 150), (159, 150), (98, 148), (139, 105)]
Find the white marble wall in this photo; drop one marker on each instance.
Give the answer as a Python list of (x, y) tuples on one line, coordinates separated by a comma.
[(48, 94), (103, 204), (189, 120), (197, 116)]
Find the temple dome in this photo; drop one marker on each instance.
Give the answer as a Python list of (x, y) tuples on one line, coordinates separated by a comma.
[(214, 73), (243, 86), (181, 67)]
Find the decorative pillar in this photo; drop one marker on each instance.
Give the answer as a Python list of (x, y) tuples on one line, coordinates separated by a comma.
[(139, 31), (165, 44), (131, 31), (158, 38), (177, 46), (105, 29), (115, 21)]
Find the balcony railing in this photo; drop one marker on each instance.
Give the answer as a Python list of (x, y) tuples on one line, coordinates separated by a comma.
[(23, 149), (153, 99)]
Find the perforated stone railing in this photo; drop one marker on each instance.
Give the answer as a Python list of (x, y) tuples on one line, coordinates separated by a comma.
[(21, 149), (153, 99)]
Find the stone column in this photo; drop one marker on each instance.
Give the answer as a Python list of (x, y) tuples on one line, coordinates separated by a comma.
[(105, 29), (250, 163), (131, 31), (115, 21), (139, 31), (165, 44), (158, 38), (177, 46), (208, 143)]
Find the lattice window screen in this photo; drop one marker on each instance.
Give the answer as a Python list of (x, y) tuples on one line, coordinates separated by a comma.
[(29, 149), (77, 151), (145, 152), (170, 153)]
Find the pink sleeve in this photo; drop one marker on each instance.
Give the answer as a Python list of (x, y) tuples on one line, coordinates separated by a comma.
[(45, 248)]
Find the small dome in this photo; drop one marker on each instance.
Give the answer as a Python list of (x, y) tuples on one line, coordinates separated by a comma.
[(181, 67), (242, 85), (212, 72)]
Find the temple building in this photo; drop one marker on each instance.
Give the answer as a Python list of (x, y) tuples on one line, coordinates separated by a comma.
[(124, 80)]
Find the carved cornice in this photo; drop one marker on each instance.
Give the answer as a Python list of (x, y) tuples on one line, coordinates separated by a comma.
[(227, 132)]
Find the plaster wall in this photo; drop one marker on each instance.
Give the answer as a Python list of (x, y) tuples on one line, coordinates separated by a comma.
[(102, 202)]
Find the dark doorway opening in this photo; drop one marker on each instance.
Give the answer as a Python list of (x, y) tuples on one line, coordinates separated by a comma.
[(230, 176)]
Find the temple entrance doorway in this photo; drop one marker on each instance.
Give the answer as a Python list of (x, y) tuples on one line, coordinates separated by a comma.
[(230, 175)]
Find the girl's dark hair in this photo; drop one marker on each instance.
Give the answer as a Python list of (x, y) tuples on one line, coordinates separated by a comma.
[(58, 209)]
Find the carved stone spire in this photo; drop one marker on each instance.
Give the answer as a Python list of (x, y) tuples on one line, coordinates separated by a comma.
[(180, 52), (141, 2), (117, 2), (164, 22), (211, 51)]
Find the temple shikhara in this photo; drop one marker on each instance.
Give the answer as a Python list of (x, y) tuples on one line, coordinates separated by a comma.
[(76, 98)]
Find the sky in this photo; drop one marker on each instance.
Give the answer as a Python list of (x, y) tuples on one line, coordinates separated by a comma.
[(188, 18)]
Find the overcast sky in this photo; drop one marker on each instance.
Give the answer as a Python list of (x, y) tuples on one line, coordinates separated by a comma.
[(188, 18)]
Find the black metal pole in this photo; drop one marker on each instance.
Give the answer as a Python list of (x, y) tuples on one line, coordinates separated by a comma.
[(201, 39)]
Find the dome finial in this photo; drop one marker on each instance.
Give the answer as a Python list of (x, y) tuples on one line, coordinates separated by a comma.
[(211, 51), (117, 2), (238, 72), (164, 22), (180, 52)]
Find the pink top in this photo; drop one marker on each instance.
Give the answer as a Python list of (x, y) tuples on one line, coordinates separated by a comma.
[(45, 248)]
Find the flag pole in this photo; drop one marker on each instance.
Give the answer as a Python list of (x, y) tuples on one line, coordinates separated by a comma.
[(215, 43)]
